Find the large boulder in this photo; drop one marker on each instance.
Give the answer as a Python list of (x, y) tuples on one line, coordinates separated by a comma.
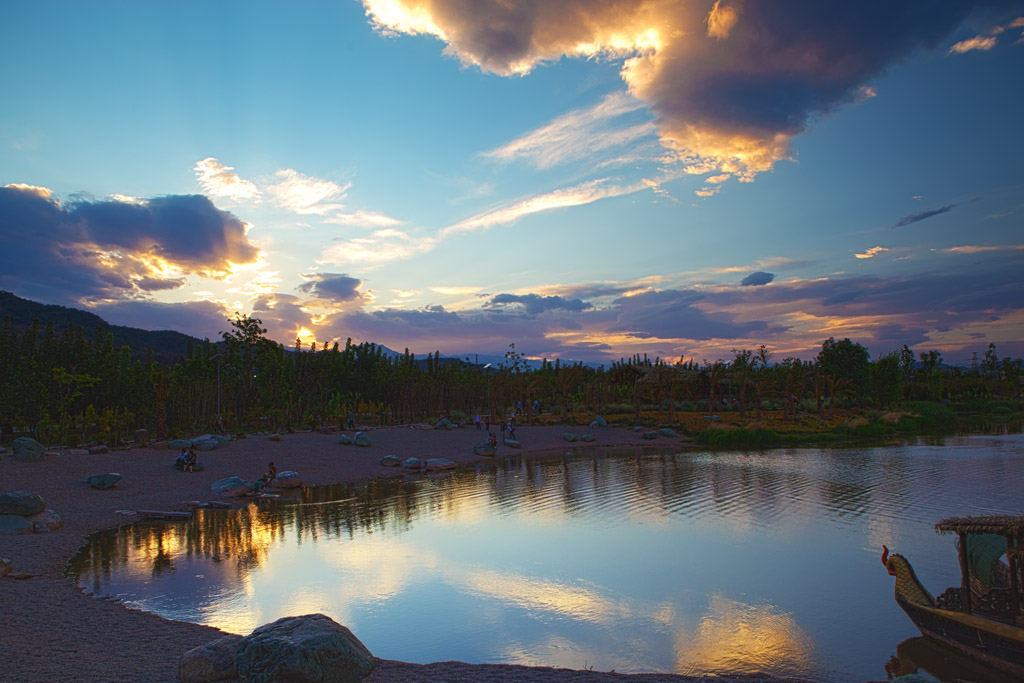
[(312, 647), (435, 464), (231, 486), (22, 503), (412, 463), (214, 661), (345, 440), (568, 436), (47, 520), (179, 443), (391, 461), (208, 442), (103, 481), (15, 524), (443, 423), (288, 479), (667, 431), (27, 449), (362, 439), (587, 437), (484, 449)]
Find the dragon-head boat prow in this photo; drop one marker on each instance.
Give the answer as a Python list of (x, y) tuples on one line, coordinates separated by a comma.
[(908, 587)]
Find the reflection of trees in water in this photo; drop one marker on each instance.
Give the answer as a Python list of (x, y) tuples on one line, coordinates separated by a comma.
[(621, 482)]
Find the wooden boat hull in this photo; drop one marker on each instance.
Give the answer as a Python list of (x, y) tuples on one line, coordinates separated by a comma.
[(997, 644)]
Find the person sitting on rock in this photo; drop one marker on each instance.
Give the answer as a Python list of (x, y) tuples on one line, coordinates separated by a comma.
[(179, 463), (271, 470), (492, 440)]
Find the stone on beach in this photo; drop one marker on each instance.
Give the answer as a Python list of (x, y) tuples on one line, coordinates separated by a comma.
[(512, 443), (47, 520), (567, 436), (435, 464), (312, 647), (412, 463), (214, 661), (180, 443), (24, 503), (15, 524), (443, 423), (362, 439), (288, 479), (648, 436), (666, 431), (5, 567), (391, 461), (231, 486), (587, 437), (345, 440), (484, 449), (103, 481), (27, 449)]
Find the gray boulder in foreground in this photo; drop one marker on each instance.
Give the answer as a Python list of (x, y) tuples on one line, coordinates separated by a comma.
[(214, 661), (22, 503), (103, 481), (231, 486), (25, 448), (391, 461), (312, 647), (362, 439), (288, 479)]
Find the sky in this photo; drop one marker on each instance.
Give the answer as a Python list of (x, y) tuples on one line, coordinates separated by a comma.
[(585, 179)]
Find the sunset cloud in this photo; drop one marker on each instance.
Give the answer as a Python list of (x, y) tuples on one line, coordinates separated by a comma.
[(380, 246), (975, 43), (113, 249), (729, 83), (872, 252)]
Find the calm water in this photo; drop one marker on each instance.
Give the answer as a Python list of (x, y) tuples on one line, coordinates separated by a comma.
[(672, 561)]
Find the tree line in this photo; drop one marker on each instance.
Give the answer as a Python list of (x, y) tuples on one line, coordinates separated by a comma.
[(67, 387)]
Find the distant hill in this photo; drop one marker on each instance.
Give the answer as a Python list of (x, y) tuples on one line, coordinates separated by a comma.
[(167, 346)]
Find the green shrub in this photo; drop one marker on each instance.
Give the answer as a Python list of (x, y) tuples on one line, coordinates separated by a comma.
[(738, 438)]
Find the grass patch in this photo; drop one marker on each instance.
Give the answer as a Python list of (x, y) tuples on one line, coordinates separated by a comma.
[(738, 438)]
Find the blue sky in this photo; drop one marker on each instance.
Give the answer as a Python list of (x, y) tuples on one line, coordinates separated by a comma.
[(586, 179)]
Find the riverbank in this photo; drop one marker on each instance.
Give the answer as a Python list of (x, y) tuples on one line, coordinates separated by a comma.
[(51, 631)]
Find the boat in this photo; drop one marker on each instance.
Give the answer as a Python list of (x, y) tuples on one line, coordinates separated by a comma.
[(982, 617)]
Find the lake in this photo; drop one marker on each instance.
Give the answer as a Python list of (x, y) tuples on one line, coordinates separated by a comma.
[(661, 559)]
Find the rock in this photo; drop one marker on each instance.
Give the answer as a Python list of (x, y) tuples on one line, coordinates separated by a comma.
[(512, 443), (600, 421), (47, 454), (47, 519), (648, 436), (77, 452), (103, 481), (98, 450), (435, 464), (587, 437), (312, 647), (274, 437), (421, 426), (22, 503), (443, 423), (288, 479), (27, 449), (637, 428), (412, 464), (391, 461), (231, 486), (666, 431), (345, 440), (180, 443), (15, 524), (141, 436), (569, 437), (484, 449), (214, 661), (5, 567), (362, 439)]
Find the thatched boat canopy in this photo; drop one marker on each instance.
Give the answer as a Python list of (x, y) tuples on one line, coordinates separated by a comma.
[(1015, 554), (1003, 525)]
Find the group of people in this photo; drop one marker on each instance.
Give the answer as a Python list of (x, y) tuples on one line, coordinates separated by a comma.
[(186, 462)]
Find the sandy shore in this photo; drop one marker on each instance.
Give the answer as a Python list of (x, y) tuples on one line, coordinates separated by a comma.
[(51, 631)]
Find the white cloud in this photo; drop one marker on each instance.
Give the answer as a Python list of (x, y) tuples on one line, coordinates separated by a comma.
[(872, 252), (305, 194), (975, 43), (380, 246), (363, 218), (217, 180)]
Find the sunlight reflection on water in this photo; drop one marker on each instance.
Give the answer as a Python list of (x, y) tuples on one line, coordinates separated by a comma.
[(691, 562)]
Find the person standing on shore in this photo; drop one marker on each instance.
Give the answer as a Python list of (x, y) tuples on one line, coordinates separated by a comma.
[(476, 421)]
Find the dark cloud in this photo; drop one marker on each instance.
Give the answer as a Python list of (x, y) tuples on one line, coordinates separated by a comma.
[(730, 82), (197, 318), (672, 314), (757, 278), (536, 304), (333, 286), (923, 215), (106, 249)]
